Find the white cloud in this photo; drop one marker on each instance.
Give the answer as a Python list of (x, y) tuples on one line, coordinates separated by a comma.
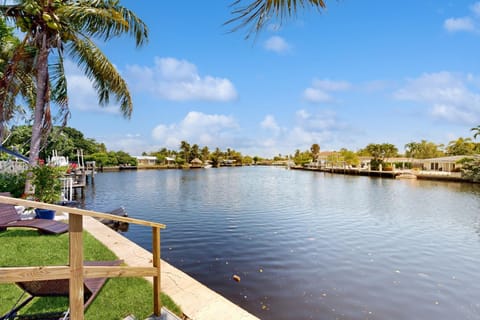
[(459, 24), (447, 95), (214, 130), (315, 122), (197, 127), (451, 113), (270, 123), (277, 44), (476, 8), (320, 90), (329, 85), (468, 23), (311, 128), (274, 27), (134, 144), (81, 94), (376, 85), (306, 129), (223, 131), (179, 80), (316, 95)]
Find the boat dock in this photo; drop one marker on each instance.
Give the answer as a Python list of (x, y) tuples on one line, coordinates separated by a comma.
[(426, 175), (352, 171), (78, 179)]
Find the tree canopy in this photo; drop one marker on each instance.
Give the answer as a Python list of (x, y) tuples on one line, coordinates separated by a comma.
[(462, 147), (423, 150), (59, 28)]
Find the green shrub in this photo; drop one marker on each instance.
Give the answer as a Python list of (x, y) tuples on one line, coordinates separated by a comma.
[(13, 183), (375, 164), (471, 169), (46, 179)]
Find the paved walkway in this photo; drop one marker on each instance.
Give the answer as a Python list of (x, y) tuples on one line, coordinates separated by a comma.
[(196, 300)]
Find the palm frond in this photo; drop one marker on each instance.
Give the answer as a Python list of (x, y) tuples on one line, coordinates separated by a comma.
[(59, 92), (258, 12), (477, 133), (15, 76), (105, 77), (105, 20)]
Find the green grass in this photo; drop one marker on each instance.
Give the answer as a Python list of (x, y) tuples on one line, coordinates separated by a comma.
[(118, 298)]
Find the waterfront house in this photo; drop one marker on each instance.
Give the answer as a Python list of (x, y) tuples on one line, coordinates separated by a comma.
[(146, 160), (170, 162), (445, 164), (228, 163), (196, 163)]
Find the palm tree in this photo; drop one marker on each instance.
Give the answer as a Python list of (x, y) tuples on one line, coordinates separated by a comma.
[(185, 148), (56, 28), (315, 149), (205, 153), (194, 152), (477, 133), (258, 12), (15, 78), (461, 147)]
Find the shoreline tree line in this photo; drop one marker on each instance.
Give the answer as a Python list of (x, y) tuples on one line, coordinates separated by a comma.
[(67, 141)]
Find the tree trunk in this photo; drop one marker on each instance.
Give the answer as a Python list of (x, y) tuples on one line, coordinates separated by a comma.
[(42, 78), (40, 102)]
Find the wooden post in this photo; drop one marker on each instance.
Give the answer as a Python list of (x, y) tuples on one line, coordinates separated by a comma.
[(76, 266), (157, 302)]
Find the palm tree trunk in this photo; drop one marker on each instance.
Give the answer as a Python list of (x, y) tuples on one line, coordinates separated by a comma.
[(42, 85)]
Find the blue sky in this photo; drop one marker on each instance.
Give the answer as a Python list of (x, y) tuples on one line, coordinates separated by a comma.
[(360, 72)]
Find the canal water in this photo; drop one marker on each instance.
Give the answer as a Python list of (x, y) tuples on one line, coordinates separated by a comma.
[(310, 245)]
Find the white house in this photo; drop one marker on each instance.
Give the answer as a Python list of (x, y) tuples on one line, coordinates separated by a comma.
[(445, 164), (146, 160)]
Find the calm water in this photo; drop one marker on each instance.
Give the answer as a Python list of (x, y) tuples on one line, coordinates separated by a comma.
[(312, 245)]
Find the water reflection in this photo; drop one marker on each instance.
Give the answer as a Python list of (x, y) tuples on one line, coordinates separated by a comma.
[(312, 245)]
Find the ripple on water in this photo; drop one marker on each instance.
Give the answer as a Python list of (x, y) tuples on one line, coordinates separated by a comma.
[(312, 245)]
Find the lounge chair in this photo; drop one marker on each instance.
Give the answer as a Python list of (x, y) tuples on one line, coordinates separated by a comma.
[(59, 288), (9, 218)]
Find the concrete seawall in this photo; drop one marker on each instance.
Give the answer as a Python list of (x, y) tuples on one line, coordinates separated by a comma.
[(196, 300), (425, 175)]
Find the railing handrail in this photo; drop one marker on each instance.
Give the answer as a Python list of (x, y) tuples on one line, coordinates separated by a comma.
[(75, 271), (82, 212)]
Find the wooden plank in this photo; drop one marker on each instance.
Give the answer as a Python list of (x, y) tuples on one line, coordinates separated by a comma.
[(76, 266), (82, 212), (157, 286), (21, 274), (25, 274), (111, 272)]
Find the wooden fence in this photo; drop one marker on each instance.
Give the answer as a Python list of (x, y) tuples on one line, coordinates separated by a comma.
[(75, 271)]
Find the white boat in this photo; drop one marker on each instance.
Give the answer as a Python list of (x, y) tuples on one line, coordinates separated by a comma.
[(406, 175)]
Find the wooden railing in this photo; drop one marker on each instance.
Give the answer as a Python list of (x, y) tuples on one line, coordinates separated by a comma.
[(75, 271)]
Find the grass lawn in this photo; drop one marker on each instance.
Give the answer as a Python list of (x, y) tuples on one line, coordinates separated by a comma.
[(117, 299)]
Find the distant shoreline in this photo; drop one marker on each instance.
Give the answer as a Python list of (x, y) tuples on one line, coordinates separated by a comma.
[(422, 175)]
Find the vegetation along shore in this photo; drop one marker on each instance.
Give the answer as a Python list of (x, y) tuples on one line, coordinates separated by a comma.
[(460, 157)]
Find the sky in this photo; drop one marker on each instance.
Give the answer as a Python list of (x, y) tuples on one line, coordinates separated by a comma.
[(359, 72)]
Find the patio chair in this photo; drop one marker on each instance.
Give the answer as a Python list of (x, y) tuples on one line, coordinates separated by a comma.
[(9, 218), (58, 288)]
